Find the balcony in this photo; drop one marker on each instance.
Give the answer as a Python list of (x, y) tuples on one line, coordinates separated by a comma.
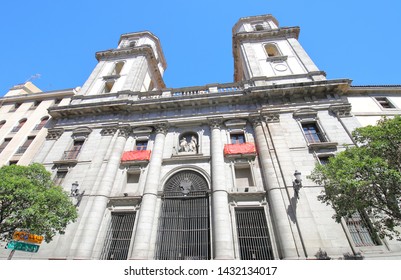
[(240, 150), (138, 156), (69, 158), (318, 141)]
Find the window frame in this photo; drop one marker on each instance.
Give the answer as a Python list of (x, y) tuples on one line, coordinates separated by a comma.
[(312, 138), (385, 100)]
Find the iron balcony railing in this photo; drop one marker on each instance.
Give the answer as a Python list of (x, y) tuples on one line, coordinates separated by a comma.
[(315, 137), (71, 154)]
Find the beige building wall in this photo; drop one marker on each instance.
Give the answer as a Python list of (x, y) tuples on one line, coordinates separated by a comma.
[(27, 103)]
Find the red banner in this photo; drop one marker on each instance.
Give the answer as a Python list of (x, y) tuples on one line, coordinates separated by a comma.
[(136, 155), (239, 149)]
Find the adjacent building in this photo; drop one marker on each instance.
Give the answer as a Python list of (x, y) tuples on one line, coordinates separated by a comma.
[(208, 172), (24, 120)]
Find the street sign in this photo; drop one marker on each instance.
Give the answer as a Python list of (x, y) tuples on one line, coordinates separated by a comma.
[(27, 237), (21, 246)]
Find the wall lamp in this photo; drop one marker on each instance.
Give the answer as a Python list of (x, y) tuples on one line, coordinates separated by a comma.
[(297, 183)]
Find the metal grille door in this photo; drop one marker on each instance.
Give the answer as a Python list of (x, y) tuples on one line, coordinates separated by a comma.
[(184, 232), (253, 235), (118, 237)]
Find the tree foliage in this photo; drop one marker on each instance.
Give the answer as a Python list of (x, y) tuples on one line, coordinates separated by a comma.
[(30, 201), (367, 177)]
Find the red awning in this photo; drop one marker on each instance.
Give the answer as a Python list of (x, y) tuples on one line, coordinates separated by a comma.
[(136, 155), (239, 149)]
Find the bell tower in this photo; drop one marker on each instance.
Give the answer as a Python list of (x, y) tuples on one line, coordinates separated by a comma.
[(264, 51), (137, 64)]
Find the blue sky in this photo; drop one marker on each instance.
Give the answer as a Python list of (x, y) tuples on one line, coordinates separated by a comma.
[(359, 40)]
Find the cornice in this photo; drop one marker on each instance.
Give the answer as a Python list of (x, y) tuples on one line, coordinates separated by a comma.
[(272, 96), (113, 53), (39, 96), (285, 32)]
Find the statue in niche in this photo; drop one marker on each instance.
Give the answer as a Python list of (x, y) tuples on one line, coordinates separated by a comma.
[(192, 144), (188, 144), (183, 145)]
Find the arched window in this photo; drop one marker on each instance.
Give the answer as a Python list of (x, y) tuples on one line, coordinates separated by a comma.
[(42, 123), (118, 67), (272, 50), (108, 86), (18, 127), (184, 221)]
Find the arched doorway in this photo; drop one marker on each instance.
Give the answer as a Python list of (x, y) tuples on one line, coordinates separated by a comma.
[(184, 221)]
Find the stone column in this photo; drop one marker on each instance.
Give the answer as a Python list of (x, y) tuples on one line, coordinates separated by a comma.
[(286, 232), (100, 199), (221, 221), (148, 206)]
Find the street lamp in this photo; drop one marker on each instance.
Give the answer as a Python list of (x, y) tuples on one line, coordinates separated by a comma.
[(297, 183), (76, 194)]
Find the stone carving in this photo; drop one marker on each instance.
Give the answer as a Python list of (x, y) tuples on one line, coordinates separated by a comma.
[(161, 128), (108, 131), (54, 134), (185, 186), (124, 131), (272, 117), (215, 123), (341, 110)]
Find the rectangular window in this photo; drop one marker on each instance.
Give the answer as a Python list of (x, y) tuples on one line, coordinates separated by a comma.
[(313, 133), (253, 235), (384, 102), (60, 176), (118, 237), (25, 146), (141, 145), (132, 182), (324, 159), (360, 230), (74, 152), (35, 105), (243, 178), (15, 107), (237, 138), (4, 144)]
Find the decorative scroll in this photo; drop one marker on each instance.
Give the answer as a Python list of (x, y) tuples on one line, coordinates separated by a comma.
[(143, 155)]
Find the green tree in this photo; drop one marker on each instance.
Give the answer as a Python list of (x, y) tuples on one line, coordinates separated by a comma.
[(367, 177), (30, 201)]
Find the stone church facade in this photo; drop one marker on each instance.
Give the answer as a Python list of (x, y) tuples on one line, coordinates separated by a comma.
[(206, 172)]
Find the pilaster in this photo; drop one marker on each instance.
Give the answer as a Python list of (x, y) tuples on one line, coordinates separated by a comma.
[(222, 228), (149, 200)]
